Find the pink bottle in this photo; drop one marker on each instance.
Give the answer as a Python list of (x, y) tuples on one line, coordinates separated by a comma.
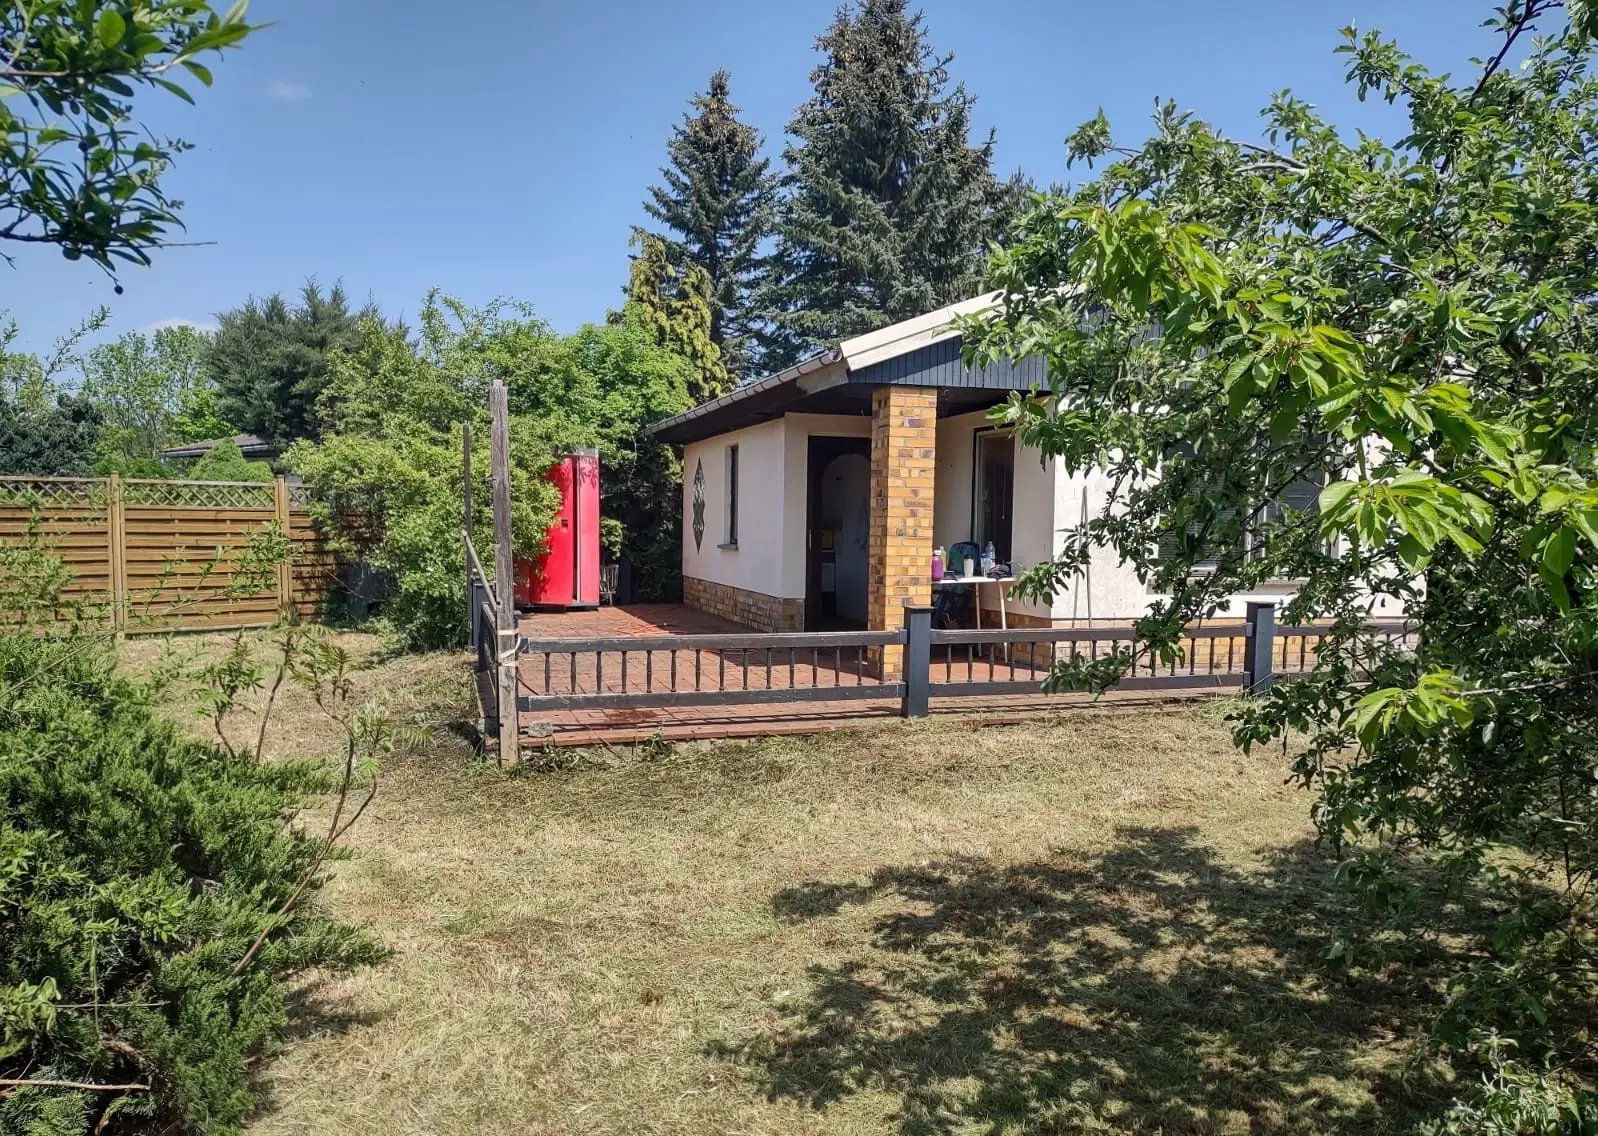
[(937, 564)]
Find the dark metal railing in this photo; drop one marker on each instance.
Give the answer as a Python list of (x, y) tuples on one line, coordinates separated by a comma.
[(568, 674), (704, 670)]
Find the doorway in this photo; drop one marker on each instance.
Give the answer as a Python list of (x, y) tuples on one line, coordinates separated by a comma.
[(993, 498), (837, 533)]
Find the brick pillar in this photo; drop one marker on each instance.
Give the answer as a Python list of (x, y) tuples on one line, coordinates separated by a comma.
[(904, 423)]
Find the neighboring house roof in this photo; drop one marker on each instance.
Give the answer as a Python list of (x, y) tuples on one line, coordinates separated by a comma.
[(250, 445), (924, 351)]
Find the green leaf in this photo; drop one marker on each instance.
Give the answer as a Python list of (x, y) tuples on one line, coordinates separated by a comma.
[(169, 85), (1559, 551), (111, 28), (199, 71)]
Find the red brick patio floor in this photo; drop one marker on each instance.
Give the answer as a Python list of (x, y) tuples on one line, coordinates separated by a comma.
[(642, 670)]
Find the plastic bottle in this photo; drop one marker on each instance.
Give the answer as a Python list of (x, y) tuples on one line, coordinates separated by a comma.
[(989, 557), (937, 564)]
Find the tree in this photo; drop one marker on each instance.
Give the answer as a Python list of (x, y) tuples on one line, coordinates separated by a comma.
[(269, 360), (59, 439), (386, 473), (717, 199), (888, 209), (1406, 327), (78, 172), (152, 391), (679, 308)]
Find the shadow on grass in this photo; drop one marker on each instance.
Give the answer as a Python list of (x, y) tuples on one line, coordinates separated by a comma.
[(1149, 989)]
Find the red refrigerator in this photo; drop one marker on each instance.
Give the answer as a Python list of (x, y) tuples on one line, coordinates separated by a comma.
[(567, 574)]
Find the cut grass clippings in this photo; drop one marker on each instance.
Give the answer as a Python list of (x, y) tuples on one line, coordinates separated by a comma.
[(1115, 923)]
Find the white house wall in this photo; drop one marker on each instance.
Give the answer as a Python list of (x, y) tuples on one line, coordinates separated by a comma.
[(760, 562)]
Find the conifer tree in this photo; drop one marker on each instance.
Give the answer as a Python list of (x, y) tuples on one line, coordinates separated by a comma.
[(888, 208), (717, 199), (678, 307)]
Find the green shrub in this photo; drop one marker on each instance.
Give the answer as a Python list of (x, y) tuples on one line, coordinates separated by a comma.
[(137, 868), (226, 462)]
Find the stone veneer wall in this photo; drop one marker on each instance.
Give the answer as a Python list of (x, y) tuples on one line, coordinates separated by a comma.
[(904, 454), (751, 609)]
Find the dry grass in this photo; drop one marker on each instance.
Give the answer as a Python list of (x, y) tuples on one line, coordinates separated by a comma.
[(1110, 923)]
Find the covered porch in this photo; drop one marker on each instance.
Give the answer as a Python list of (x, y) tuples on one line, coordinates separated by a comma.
[(814, 499)]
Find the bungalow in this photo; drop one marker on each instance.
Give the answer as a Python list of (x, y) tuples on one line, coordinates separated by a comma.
[(814, 498)]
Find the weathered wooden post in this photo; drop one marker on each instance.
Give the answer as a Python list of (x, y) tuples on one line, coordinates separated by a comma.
[(117, 552), (285, 568), (917, 659), (504, 573), (1259, 646), (472, 599)]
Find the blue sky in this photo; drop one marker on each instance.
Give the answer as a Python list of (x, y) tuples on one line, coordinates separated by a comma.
[(502, 147)]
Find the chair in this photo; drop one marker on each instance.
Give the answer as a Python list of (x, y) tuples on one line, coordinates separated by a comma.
[(608, 574)]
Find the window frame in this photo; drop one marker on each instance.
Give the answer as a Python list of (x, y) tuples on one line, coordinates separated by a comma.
[(730, 497)]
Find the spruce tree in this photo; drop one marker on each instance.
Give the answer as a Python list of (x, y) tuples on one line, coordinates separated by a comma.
[(677, 306), (269, 360), (717, 199), (888, 208)]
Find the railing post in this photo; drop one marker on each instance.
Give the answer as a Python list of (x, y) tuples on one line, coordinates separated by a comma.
[(504, 574), (466, 532), (1260, 639), (117, 553), (917, 659)]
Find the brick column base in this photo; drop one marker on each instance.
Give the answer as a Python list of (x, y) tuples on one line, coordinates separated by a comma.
[(904, 423)]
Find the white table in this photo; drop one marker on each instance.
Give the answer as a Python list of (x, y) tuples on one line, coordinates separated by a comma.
[(975, 583)]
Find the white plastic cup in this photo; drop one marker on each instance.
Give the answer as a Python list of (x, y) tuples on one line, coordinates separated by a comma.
[(970, 567)]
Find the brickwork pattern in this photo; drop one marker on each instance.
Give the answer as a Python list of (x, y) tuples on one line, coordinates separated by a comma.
[(739, 605), (903, 471)]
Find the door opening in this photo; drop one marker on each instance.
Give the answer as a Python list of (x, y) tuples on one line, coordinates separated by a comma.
[(837, 533)]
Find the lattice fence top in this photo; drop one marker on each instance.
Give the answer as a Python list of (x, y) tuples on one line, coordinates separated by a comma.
[(59, 492), (95, 493), (198, 494), (299, 496)]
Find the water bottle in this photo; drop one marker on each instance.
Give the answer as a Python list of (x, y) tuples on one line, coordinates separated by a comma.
[(989, 557)]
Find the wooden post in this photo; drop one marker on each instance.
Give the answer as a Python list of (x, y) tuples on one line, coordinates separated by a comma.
[(117, 554), (504, 574), (285, 570), (466, 532), (1259, 646)]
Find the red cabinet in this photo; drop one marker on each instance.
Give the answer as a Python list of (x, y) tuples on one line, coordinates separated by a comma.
[(567, 574)]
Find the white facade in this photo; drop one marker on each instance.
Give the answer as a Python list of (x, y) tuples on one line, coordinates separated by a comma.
[(771, 553)]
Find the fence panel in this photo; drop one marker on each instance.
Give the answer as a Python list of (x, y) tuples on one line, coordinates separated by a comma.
[(164, 555)]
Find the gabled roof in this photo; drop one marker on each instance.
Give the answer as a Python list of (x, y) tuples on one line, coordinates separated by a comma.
[(924, 351)]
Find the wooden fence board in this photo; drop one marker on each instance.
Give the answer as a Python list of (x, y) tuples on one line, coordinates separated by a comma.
[(171, 550)]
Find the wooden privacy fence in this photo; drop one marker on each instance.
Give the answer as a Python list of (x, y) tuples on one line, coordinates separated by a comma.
[(164, 555)]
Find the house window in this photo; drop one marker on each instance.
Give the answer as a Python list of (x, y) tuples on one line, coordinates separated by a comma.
[(993, 501), (732, 498), (1301, 495)]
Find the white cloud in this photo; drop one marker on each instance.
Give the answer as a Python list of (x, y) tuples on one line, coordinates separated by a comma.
[(178, 321), (282, 91)]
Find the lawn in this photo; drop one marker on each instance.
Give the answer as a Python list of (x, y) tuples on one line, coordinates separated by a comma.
[(1111, 922)]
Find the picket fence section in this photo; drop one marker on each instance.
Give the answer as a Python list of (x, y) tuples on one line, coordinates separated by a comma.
[(165, 555)]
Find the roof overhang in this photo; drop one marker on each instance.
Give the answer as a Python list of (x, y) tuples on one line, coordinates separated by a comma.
[(924, 351)]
